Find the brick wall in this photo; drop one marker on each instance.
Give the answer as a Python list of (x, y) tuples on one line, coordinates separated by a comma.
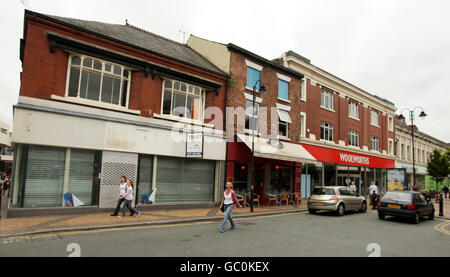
[(45, 74), (236, 98)]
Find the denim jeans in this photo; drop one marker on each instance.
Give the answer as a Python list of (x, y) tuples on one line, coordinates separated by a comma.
[(129, 207), (228, 209)]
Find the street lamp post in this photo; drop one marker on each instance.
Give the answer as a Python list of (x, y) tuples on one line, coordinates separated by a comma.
[(411, 118), (262, 89)]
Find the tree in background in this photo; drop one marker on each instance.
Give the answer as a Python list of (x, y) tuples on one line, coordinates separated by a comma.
[(438, 166)]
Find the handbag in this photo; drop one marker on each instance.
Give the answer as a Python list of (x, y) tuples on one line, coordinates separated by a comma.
[(222, 209)]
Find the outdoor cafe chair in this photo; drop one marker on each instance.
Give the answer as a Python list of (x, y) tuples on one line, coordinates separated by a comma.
[(273, 197)]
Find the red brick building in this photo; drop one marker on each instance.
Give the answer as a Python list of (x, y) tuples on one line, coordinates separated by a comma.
[(101, 100), (336, 133)]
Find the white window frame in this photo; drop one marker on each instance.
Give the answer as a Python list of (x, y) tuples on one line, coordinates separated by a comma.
[(283, 118), (248, 113), (303, 90), (352, 137), (391, 146), (178, 118), (374, 122), (375, 141), (102, 72), (328, 127), (353, 107), (390, 123), (328, 99), (254, 66), (303, 124)]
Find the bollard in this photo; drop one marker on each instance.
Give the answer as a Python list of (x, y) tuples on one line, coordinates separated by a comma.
[(441, 205)]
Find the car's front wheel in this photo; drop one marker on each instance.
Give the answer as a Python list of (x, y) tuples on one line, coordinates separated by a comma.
[(340, 210), (311, 211), (381, 216), (431, 216)]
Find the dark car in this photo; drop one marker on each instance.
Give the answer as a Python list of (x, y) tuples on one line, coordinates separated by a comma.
[(409, 204)]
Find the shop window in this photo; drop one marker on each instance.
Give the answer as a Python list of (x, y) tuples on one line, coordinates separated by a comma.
[(98, 80), (280, 179), (330, 175), (240, 178)]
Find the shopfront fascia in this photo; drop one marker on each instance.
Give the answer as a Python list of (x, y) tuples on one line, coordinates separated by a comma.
[(87, 150), (341, 168)]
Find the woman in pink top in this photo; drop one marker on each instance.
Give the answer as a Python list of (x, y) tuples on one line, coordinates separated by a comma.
[(229, 201)]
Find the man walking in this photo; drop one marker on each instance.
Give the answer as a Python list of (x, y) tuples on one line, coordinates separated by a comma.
[(123, 191), (373, 190), (445, 190)]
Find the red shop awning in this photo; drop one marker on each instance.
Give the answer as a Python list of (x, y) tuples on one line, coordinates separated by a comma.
[(329, 155)]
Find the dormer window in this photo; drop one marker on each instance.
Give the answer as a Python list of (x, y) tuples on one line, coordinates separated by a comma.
[(98, 80)]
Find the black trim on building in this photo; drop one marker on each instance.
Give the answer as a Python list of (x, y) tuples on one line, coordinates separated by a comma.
[(35, 14), (57, 41)]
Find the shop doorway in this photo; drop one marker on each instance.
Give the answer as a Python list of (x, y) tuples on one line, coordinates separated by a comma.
[(260, 183), (347, 179)]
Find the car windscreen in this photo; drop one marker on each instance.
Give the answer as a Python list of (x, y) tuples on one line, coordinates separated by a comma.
[(323, 191), (397, 196)]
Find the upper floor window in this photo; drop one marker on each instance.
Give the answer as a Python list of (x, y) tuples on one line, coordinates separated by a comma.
[(391, 147), (303, 90), (283, 89), (374, 118), (283, 122), (98, 80), (326, 131), (375, 143), (390, 124), (182, 99), (353, 110), (253, 75), (327, 100), (353, 138), (251, 117)]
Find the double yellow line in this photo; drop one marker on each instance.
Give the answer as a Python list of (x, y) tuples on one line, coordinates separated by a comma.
[(441, 227)]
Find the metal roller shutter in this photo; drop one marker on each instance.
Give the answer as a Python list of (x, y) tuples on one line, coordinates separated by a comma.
[(184, 180), (81, 174), (44, 177), (145, 176)]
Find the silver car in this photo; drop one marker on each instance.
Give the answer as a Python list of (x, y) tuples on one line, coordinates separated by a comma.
[(338, 199)]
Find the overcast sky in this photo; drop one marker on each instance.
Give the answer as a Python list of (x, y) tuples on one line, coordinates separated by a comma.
[(398, 50)]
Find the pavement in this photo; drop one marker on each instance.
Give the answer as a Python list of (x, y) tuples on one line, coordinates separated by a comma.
[(11, 227), (298, 234)]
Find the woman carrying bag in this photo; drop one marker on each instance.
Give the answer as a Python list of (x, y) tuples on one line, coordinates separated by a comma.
[(229, 201)]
